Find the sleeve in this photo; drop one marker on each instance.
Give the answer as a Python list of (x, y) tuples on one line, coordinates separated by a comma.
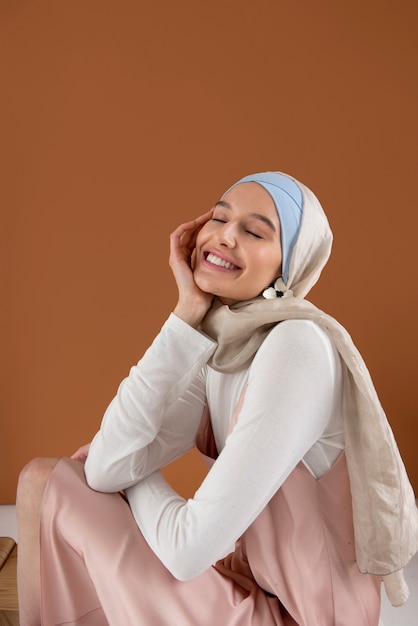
[(286, 408), (155, 415)]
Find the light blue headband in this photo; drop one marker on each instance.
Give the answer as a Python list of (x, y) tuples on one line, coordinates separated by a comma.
[(288, 199)]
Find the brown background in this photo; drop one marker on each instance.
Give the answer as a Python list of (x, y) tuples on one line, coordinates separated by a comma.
[(121, 119)]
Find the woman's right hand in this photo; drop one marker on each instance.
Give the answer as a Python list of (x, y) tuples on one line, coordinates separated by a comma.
[(193, 303), (81, 454)]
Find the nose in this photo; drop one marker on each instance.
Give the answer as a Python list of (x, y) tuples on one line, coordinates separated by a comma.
[(227, 234)]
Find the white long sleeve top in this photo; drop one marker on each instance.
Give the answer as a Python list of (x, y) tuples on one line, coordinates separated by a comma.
[(291, 413)]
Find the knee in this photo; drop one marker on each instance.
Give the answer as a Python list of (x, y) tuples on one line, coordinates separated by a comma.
[(33, 479)]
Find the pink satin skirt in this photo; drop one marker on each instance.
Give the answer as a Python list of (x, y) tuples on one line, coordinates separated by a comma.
[(97, 569)]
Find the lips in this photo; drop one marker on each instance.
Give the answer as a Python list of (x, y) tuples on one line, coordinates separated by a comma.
[(213, 259)]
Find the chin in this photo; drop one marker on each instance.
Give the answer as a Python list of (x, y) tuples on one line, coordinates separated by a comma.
[(204, 283), (228, 301)]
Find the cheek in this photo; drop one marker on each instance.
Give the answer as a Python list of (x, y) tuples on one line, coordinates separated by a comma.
[(204, 233), (198, 240), (271, 263), (198, 248), (201, 240)]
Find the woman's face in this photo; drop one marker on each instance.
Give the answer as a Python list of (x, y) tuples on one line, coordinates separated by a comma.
[(238, 252)]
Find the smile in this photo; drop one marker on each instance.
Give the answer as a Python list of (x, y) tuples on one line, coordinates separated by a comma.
[(216, 260)]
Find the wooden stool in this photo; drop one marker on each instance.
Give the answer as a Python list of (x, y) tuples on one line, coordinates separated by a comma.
[(9, 610)]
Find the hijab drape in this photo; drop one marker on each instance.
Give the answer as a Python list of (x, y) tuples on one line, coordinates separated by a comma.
[(384, 509)]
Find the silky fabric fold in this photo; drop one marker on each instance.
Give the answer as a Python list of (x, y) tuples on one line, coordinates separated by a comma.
[(384, 508)]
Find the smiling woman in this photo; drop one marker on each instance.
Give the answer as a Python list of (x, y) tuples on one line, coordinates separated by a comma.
[(306, 505), (238, 251)]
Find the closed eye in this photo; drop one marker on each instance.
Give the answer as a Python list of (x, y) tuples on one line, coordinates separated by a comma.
[(250, 232)]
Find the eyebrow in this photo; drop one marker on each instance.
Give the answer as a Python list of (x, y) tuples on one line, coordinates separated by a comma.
[(257, 216)]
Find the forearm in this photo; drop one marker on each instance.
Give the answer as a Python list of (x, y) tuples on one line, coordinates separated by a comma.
[(118, 453), (287, 405)]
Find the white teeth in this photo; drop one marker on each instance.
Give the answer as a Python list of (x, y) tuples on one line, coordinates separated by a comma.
[(212, 258)]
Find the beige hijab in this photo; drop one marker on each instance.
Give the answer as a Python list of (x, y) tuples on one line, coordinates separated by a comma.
[(384, 509)]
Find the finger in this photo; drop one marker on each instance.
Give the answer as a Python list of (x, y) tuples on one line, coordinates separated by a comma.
[(80, 459), (197, 223), (185, 235), (202, 219)]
